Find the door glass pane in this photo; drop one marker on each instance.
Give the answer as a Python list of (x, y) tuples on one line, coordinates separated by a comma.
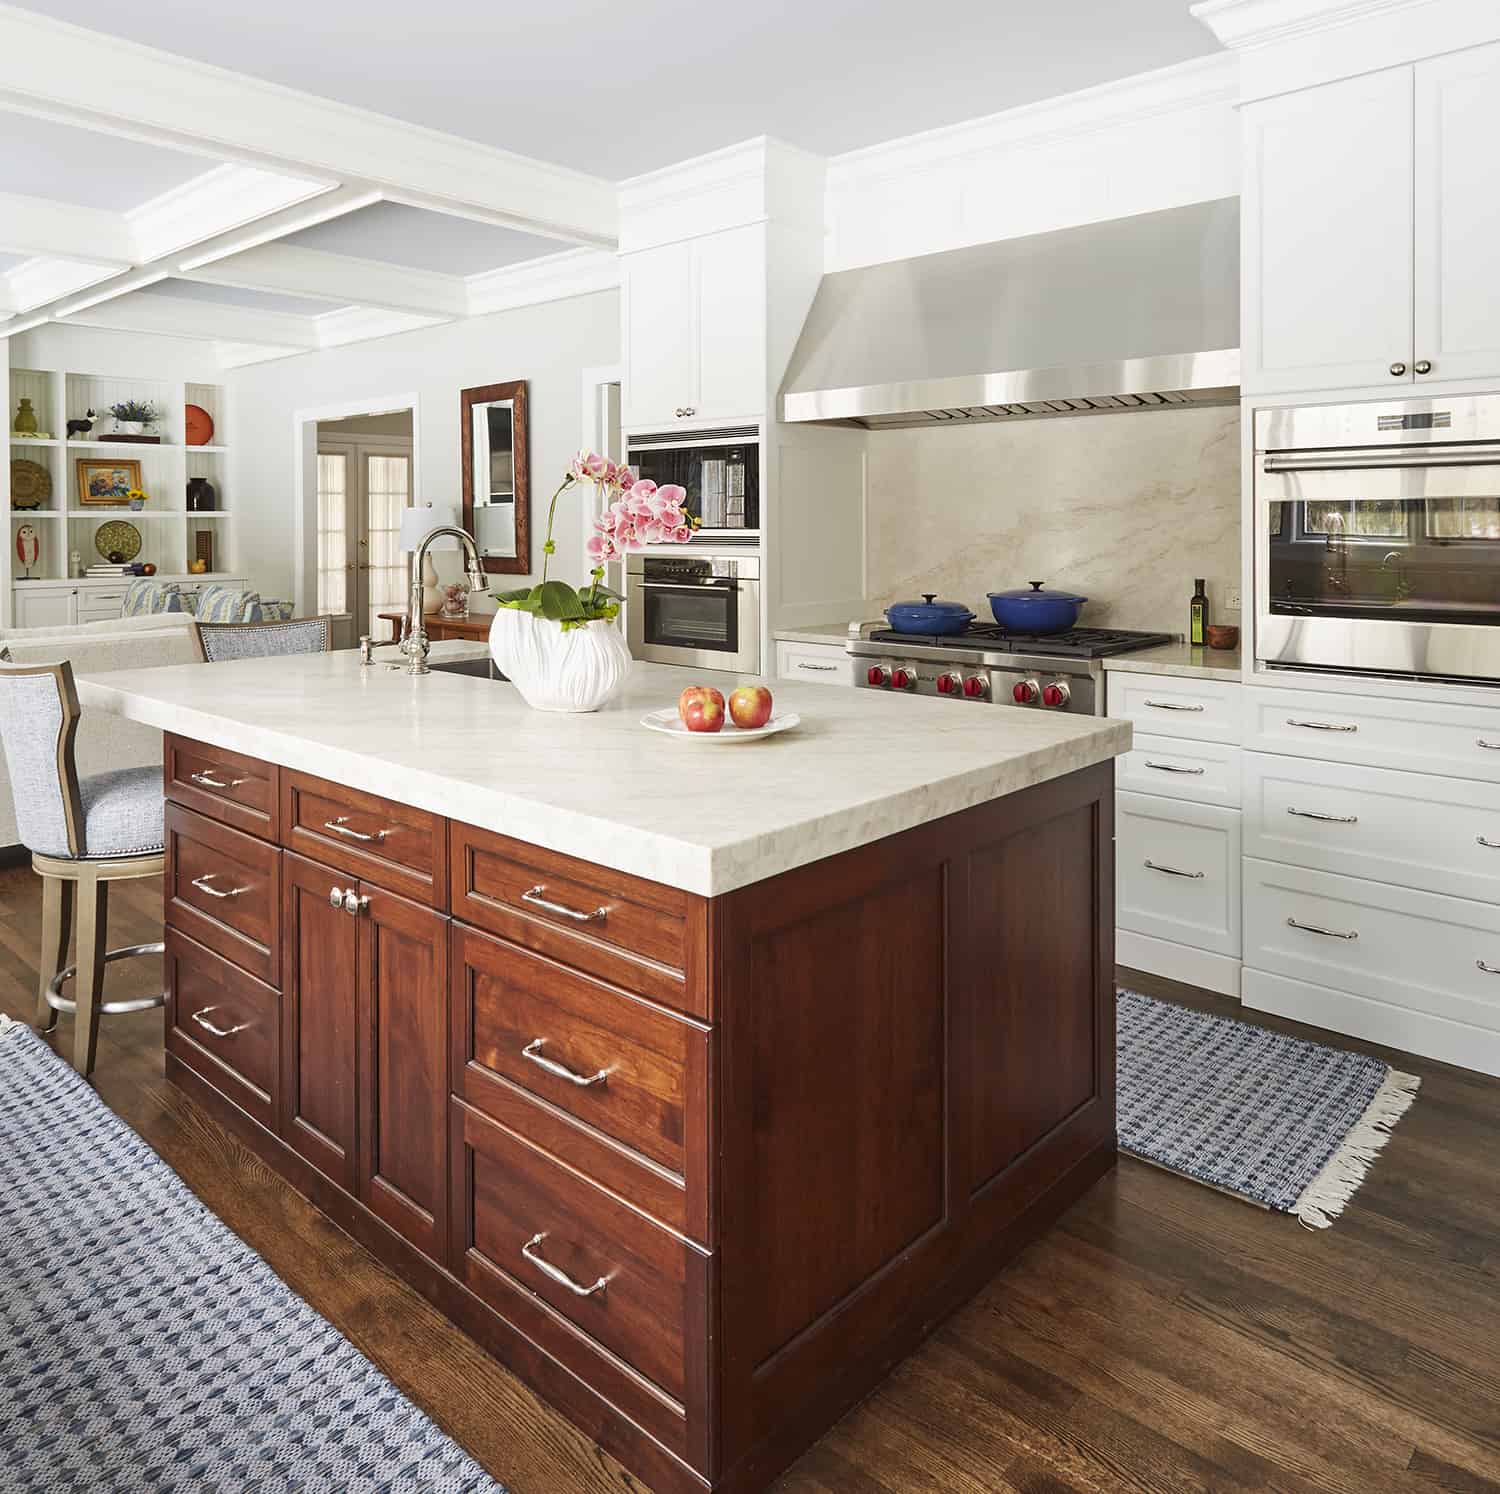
[(387, 492), (333, 533), (693, 618)]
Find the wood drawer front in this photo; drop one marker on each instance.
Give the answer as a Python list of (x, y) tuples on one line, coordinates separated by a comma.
[(634, 933), (653, 1099), (1415, 950), (1411, 829), (404, 850), (225, 1025), (1181, 768), (1173, 706), (223, 888), (1419, 736), (1190, 890), (240, 791), (814, 663), (509, 1193)]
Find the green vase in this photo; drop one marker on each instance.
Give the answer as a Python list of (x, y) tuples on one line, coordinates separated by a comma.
[(25, 418)]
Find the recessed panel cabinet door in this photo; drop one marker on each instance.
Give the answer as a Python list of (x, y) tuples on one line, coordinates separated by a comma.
[(1328, 237), (320, 974), (403, 1066), (1458, 215), (661, 356)]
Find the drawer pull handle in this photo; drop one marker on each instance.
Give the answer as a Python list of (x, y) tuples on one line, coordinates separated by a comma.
[(1488, 746), (1172, 871), (552, 1273), (533, 895), (1313, 928), (1174, 768), (1316, 814), (1320, 725), (205, 884), (341, 826), (209, 781), (201, 1018), (818, 668), (1170, 705), (1488, 969), (1491, 845), (533, 1051)]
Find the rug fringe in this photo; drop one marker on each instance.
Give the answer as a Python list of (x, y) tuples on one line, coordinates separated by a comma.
[(1323, 1200)]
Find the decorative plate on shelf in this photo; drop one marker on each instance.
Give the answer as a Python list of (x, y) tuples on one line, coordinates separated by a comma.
[(198, 426), (30, 484), (669, 722), (117, 537)]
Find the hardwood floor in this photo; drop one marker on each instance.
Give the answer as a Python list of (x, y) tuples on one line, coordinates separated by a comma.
[(1162, 1338)]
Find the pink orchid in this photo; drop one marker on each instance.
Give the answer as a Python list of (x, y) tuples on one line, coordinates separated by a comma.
[(601, 547), (673, 494), (652, 533), (682, 534), (624, 479), (588, 466), (642, 487)]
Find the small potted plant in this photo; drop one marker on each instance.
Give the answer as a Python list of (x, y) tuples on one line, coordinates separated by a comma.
[(136, 498), (132, 417), (558, 645)]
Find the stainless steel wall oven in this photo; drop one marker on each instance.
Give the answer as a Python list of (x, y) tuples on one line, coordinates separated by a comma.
[(1377, 538), (699, 610)]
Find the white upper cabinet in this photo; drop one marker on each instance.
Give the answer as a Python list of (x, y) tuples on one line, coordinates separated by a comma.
[(1458, 215), (1328, 236), (695, 330)]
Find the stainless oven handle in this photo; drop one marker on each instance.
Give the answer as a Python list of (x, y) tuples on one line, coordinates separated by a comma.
[(1367, 458), (696, 588)]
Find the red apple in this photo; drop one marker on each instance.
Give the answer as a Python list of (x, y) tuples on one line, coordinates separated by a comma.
[(750, 706), (693, 696), (705, 712)]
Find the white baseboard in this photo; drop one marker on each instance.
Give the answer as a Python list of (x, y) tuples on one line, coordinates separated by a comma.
[(1194, 967), (1376, 1021)]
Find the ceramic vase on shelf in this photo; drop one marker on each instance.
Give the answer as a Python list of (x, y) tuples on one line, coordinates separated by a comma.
[(25, 421), (201, 497), (574, 669)]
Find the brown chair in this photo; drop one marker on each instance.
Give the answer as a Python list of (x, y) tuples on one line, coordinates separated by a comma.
[(83, 834), (263, 640)]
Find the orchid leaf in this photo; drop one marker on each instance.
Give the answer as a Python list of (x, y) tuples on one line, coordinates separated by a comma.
[(560, 602)]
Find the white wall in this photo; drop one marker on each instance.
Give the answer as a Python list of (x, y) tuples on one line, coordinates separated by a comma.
[(548, 345)]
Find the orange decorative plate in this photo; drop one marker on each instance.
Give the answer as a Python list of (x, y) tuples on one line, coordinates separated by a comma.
[(198, 425)]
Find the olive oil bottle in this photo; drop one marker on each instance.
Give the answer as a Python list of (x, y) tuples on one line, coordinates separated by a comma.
[(1198, 615)]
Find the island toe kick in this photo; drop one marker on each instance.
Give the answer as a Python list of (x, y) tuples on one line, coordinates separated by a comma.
[(701, 1170)]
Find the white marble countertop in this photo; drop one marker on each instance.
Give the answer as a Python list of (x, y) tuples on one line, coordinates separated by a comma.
[(1180, 659), (704, 817), (814, 633)]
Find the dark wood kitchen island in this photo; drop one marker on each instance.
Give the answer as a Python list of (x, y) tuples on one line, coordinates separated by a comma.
[(701, 1155)]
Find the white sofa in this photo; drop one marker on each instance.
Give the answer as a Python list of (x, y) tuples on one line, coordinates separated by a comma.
[(104, 740)]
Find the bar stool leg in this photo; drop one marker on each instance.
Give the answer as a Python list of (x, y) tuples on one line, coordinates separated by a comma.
[(57, 929), (93, 923)]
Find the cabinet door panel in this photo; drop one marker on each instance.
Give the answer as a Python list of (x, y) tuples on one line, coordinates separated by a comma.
[(731, 300), (320, 971), (1458, 214), (1328, 236), (46, 609), (661, 375), (403, 1084)]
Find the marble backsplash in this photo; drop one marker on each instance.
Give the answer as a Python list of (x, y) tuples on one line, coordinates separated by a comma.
[(1126, 509)]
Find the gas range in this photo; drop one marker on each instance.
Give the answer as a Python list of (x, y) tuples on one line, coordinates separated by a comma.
[(988, 663)]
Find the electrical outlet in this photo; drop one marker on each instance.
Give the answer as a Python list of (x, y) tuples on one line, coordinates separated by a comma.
[(1232, 599)]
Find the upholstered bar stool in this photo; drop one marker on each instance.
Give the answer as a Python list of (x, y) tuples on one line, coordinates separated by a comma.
[(83, 835)]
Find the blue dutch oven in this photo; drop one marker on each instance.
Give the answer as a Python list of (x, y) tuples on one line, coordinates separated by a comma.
[(928, 616), (1036, 610)]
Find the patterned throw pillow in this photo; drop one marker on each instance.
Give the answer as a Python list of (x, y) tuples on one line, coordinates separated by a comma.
[(227, 604), (146, 598), (276, 611)]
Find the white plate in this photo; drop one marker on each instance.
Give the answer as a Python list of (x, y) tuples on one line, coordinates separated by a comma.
[(670, 722)]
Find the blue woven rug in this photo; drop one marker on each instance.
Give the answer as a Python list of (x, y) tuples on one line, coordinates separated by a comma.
[(143, 1346), (1282, 1122)]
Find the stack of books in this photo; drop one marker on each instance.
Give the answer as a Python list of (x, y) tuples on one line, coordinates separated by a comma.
[(103, 569)]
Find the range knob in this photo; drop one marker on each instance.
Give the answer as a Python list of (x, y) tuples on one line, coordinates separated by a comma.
[(1056, 694), (950, 684), (903, 679), (976, 687), (877, 674), (1025, 692)]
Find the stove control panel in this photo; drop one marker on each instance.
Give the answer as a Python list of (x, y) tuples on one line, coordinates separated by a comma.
[(1008, 687)]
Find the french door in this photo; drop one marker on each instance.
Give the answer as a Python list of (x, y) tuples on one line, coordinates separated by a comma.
[(362, 489)]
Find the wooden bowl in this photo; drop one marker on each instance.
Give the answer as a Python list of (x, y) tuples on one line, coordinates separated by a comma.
[(1223, 636)]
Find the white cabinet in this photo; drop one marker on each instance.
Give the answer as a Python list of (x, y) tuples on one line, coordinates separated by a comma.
[(1177, 706), (1458, 214), (814, 663), (1180, 768), (54, 608), (1328, 227), (695, 330)]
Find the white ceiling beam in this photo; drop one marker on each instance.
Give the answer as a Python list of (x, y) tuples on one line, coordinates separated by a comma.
[(362, 323), (63, 230), (41, 282), (187, 105), (166, 316), (225, 198), (341, 279)]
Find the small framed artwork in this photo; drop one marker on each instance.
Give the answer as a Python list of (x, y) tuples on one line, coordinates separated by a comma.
[(105, 484)]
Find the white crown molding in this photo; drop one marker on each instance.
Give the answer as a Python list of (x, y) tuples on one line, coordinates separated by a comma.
[(553, 277), (365, 323), (165, 316), (1200, 82), (39, 282), (1255, 23), (227, 197), (49, 229)]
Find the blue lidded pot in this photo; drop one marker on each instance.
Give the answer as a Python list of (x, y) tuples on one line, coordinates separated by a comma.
[(1036, 609), (928, 616)]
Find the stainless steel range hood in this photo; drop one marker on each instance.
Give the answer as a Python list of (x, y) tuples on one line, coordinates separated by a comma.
[(1135, 313)]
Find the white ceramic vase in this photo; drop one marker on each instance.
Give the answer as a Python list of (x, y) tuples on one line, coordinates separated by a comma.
[(557, 669), (129, 427)]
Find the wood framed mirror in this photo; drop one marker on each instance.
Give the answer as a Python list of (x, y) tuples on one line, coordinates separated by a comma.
[(497, 482)]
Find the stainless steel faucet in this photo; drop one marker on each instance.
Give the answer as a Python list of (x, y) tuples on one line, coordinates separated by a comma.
[(414, 627)]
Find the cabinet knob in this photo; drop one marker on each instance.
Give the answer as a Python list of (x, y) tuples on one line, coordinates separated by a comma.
[(1424, 366), (1398, 370), (687, 410)]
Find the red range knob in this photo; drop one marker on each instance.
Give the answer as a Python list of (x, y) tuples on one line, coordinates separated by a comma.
[(902, 680), (1056, 694), (1024, 693), (875, 675), (976, 687), (949, 684)]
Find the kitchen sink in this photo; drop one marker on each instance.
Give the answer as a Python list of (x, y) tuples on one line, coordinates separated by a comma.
[(481, 669)]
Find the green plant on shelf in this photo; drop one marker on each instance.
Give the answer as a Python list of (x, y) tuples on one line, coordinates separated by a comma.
[(134, 412)]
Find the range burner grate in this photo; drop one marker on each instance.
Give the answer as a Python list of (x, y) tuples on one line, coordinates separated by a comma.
[(1076, 643)]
